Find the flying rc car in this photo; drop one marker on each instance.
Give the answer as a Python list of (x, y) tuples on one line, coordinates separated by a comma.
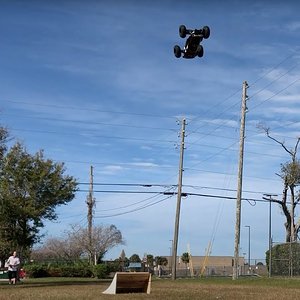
[(192, 46)]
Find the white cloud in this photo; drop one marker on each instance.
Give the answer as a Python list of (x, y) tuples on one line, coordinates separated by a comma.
[(144, 164), (285, 110), (112, 169)]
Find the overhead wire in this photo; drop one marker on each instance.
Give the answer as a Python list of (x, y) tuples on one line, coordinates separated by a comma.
[(152, 116), (88, 109), (251, 201), (275, 94), (272, 81), (257, 80), (88, 122), (273, 68), (157, 194), (256, 94), (133, 210), (99, 136), (136, 138)]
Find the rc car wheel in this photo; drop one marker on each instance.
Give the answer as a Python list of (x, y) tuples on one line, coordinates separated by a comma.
[(177, 51), (182, 31), (206, 32), (200, 51)]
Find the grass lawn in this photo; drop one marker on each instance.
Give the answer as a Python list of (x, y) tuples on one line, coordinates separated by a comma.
[(185, 289)]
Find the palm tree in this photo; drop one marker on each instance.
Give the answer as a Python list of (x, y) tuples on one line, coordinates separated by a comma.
[(185, 258)]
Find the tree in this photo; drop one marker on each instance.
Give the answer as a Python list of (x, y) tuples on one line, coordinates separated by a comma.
[(3, 140), (4, 244), (290, 175), (57, 249), (150, 260), (161, 260), (74, 245), (185, 258), (123, 261), (31, 188), (134, 258), (104, 238)]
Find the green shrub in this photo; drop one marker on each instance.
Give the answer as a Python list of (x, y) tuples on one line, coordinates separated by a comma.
[(36, 271), (76, 271), (54, 271), (69, 270), (101, 271)]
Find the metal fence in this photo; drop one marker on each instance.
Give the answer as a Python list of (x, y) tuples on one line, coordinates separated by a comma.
[(257, 267), (284, 259)]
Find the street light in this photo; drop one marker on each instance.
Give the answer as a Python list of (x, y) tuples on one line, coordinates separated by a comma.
[(244, 271), (171, 251), (249, 247), (270, 229)]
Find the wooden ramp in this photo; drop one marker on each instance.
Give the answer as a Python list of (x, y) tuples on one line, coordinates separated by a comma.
[(130, 282)]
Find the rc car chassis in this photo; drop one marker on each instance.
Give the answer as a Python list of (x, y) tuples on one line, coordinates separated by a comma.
[(192, 46)]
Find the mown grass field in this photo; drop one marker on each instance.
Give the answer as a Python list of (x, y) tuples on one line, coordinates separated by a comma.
[(185, 289)]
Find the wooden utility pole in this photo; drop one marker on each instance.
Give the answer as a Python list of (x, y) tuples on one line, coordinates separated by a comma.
[(239, 188), (90, 203), (176, 230)]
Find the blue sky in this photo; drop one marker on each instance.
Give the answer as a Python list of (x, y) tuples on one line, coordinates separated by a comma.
[(96, 83)]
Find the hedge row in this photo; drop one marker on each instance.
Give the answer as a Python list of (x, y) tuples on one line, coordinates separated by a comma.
[(76, 270)]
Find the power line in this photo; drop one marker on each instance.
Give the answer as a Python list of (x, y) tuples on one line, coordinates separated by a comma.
[(170, 186), (147, 185), (252, 84), (229, 174), (184, 194), (275, 94), (95, 136), (134, 210), (274, 80), (133, 204), (251, 201), (89, 122), (88, 109), (272, 69)]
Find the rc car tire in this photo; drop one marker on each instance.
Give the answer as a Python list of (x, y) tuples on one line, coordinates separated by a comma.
[(206, 32), (177, 51), (182, 31), (200, 51)]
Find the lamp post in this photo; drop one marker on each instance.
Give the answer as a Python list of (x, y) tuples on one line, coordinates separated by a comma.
[(244, 270), (249, 248), (171, 251), (270, 229)]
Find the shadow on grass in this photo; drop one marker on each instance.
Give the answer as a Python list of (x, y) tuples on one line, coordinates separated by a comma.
[(45, 282)]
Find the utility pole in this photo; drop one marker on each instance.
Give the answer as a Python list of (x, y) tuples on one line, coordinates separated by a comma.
[(176, 230), (239, 188), (90, 203)]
